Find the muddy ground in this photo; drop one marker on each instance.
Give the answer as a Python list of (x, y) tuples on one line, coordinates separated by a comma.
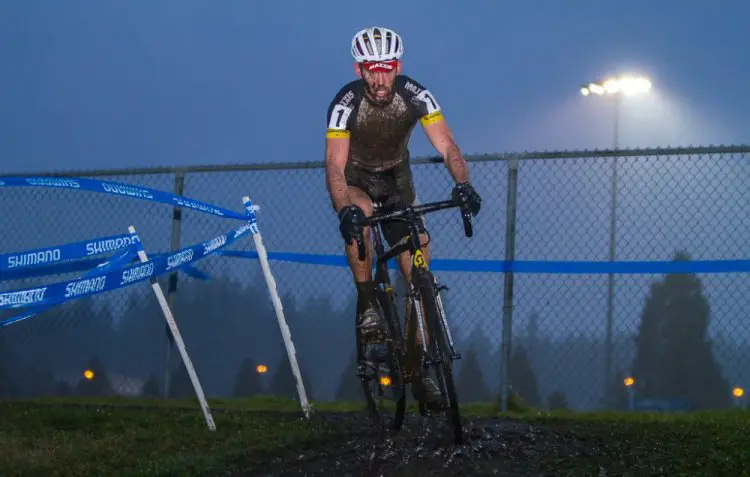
[(424, 447)]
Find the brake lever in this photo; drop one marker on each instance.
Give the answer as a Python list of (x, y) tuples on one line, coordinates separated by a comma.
[(466, 218)]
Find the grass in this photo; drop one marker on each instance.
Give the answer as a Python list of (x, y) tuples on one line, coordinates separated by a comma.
[(705, 443), (75, 437)]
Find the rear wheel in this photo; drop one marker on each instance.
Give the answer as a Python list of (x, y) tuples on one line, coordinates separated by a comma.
[(439, 353)]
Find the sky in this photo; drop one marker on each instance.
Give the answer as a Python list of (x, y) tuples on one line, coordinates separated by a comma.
[(182, 82)]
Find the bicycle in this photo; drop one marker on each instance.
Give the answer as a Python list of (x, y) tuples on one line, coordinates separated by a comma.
[(424, 301)]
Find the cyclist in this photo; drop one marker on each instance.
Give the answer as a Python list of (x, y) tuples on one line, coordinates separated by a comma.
[(370, 121)]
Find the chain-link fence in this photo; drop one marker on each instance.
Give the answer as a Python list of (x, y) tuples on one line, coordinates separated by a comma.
[(571, 332)]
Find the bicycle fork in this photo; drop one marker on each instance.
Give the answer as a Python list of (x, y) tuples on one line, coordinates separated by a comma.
[(414, 296), (416, 303), (444, 320)]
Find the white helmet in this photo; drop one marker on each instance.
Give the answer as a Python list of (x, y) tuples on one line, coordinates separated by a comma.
[(368, 45)]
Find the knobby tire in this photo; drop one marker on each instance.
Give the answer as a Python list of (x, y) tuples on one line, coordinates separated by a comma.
[(440, 350), (395, 354), (395, 366)]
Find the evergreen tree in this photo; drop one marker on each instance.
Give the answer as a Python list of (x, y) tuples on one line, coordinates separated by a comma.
[(618, 393), (350, 387), (98, 383), (151, 388), (181, 386), (247, 382), (284, 384), (38, 380), (470, 382), (315, 325), (7, 382), (143, 328), (522, 379), (557, 401), (674, 359), (62, 388), (532, 333)]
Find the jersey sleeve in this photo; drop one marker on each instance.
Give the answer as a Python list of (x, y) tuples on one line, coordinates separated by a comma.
[(341, 115), (422, 101)]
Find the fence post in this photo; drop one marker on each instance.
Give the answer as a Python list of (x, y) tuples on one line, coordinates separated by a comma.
[(179, 188), (510, 255), (610, 283)]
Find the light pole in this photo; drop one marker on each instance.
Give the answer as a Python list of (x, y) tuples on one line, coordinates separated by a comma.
[(614, 87), (738, 394), (262, 369), (629, 382)]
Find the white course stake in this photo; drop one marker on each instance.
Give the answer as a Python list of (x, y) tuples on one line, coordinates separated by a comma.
[(177, 337), (285, 333)]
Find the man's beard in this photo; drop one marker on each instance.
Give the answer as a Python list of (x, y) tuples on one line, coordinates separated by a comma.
[(377, 99)]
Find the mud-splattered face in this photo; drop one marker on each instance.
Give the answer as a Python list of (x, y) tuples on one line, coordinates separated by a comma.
[(380, 79)]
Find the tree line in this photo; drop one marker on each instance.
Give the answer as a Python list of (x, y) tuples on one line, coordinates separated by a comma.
[(230, 327)]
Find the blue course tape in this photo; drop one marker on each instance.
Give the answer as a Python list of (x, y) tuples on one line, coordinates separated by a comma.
[(68, 258), (13, 262), (111, 280), (527, 266), (78, 266), (53, 269), (310, 259), (117, 261), (117, 188), (103, 275)]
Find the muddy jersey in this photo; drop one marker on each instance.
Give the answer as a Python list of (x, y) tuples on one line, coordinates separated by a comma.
[(379, 135)]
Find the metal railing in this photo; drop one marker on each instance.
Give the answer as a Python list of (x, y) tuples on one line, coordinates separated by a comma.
[(556, 336)]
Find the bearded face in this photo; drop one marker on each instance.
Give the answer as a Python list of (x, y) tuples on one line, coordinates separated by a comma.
[(380, 79)]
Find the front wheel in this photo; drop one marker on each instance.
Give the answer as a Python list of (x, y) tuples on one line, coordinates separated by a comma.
[(439, 353), (385, 389)]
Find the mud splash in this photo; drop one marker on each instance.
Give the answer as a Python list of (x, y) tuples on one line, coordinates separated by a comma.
[(424, 447)]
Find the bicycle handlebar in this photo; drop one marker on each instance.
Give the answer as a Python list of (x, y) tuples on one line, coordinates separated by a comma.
[(412, 212)]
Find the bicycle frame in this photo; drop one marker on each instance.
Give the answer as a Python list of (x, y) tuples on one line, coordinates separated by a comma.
[(412, 244), (423, 298)]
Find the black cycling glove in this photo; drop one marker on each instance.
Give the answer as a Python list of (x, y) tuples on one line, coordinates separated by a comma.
[(465, 194), (351, 220)]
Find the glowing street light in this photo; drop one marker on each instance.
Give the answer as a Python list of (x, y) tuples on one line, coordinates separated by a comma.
[(629, 383), (88, 374), (627, 85), (385, 381), (261, 369)]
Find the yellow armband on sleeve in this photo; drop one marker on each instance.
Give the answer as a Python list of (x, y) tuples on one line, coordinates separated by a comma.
[(337, 133), (431, 118)]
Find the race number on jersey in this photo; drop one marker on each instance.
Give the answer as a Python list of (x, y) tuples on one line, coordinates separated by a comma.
[(426, 97), (338, 121), (431, 107), (339, 117)]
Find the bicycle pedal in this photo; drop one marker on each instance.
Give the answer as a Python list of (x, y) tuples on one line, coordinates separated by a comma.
[(442, 287), (456, 355)]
